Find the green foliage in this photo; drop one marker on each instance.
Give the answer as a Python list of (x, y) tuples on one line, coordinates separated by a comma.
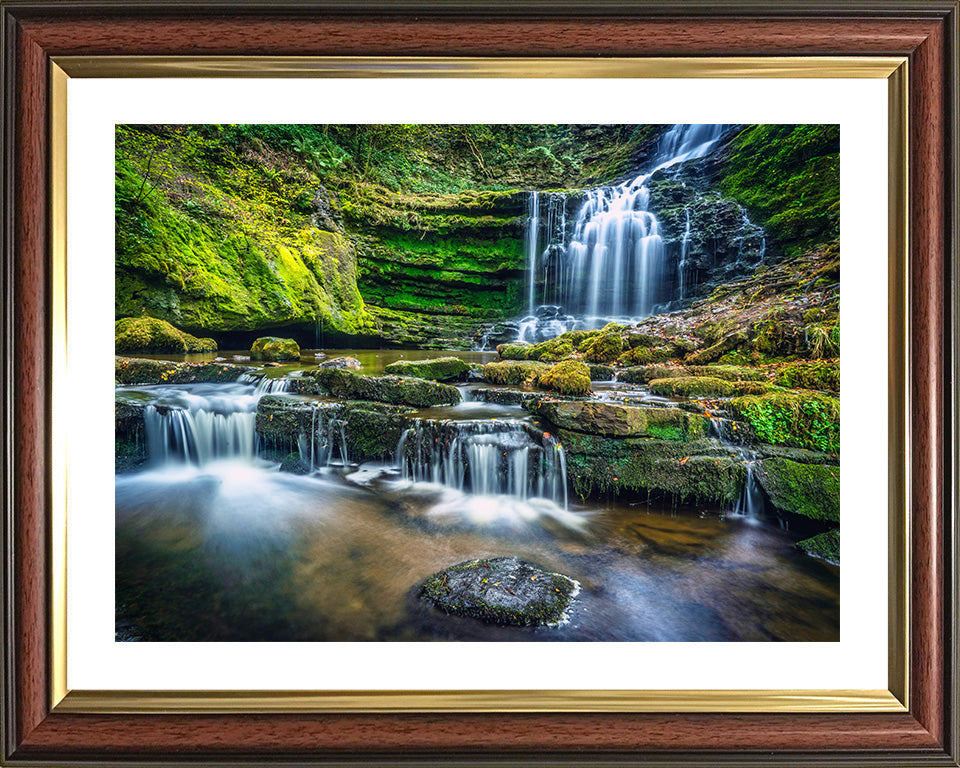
[(798, 419), (788, 178), (147, 334), (571, 377), (814, 375)]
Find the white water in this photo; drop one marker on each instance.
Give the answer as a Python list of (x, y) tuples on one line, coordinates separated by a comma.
[(198, 424), (487, 458), (614, 265)]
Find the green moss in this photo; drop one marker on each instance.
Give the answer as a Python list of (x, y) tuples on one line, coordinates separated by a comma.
[(603, 348), (514, 350), (809, 490), (691, 386), (714, 352), (646, 355), (600, 372), (515, 372), (803, 420), (551, 351), (788, 178), (149, 335), (824, 545), (644, 374), (571, 377), (274, 348), (821, 375), (398, 390), (137, 371), (438, 369), (729, 372)]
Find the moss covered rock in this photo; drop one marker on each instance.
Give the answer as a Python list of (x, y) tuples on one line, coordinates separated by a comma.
[(438, 369), (551, 351), (799, 419), (644, 374), (809, 490), (571, 377), (729, 372), (514, 372), (274, 349), (398, 390), (149, 335), (814, 375), (502, 590), (617, 420), (599, 465), (824, 545), (515, 350), (600, 372), (605, 347), (692, 386), (132, 370), (714, 352), (646, 355)]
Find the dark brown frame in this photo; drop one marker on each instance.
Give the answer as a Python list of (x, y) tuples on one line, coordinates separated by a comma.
[(924, 31)]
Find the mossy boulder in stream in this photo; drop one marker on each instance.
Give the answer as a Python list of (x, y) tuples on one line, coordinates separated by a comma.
[(514, 372), (808, 490), (823, 375), (514, 350), (438, 369), (147, 335), (502, 590), (399, 390), (571, 377), (691, 386), (604, 347), (274, 349), (643, 374)]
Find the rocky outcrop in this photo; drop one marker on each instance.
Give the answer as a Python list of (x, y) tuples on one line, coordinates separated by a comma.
[(809, 490), (502, 590), (617, 420), (398, 390), (139, 371)]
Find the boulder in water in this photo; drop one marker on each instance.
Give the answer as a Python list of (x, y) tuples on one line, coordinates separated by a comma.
[(571, 377), (808, 490), (618, 420), (437, 369), (342, 362), (502, 590), (132, 370), (397, 390), (274, 348)]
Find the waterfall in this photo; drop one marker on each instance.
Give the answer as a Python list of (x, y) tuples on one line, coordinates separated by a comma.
[(684, 250), (530, 243), (485, 457), (199, 423), (750, 504), (613, 265)]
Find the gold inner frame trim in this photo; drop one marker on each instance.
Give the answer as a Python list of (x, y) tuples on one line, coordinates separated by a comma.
[(893, 69)]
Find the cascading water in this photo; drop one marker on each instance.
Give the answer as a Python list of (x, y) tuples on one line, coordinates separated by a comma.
[(199, 423), (613, 266), (485, 458), (750, 504)]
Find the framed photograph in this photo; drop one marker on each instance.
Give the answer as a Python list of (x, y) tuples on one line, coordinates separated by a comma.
[(477, 382)]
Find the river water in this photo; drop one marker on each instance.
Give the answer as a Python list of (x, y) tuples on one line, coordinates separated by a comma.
[(221, 546)]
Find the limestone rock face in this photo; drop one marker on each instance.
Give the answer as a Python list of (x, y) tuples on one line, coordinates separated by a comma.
[(502, 590)]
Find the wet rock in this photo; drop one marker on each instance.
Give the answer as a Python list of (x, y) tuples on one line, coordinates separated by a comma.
[(824, 545), (514, 372), (644, 374), (342, 362), (274, 348), (294, 464), (501, 396), (616, 420), (600, 372), (502, 590), (809, 490), (130, 444), (132, 370), (398, 390), (692, 386), (437, 369)]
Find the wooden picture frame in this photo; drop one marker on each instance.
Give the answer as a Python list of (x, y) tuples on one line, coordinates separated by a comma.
[(41, 727)]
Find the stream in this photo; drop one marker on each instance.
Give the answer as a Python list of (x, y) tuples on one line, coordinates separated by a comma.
[(214, 543)]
